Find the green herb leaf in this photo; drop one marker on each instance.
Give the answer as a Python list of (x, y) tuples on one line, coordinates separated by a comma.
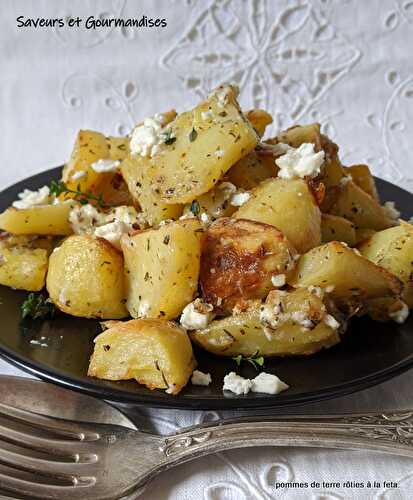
[(193, 135), (58, 187), (37, 306), (255, 361), (195, 207)]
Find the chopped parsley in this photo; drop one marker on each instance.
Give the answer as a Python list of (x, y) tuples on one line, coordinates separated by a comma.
[(255, 361)]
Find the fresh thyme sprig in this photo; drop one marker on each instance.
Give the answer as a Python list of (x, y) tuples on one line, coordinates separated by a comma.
[(37, 306), (255, 361), (59, 187)]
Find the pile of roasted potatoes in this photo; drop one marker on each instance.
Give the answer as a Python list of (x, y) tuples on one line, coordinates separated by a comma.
[(203, 232)]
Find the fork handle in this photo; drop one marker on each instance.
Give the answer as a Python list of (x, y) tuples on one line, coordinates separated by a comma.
[(390, 432)]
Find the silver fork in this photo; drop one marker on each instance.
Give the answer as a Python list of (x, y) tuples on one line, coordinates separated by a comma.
[(51, 458)]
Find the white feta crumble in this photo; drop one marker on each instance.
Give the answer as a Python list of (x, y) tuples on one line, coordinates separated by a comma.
[(102, 166), (222, 94), (236, 384), (85, 218), (401, 315), (38, 343), (205, 218), (206, 115), (315, 290), (112, 232), (30, 198), (239, 198), (331, 321), (391, 211), (200, 378), (62, 296), (78, 175), (147, 137), (197, 315), (279, 280), (219, 153), (300, 162), (268, 383)]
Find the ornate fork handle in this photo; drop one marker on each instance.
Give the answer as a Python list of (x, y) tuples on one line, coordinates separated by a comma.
[(390, 432)]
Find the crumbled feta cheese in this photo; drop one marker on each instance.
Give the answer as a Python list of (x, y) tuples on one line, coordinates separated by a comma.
[(30, 198), (102, 166), (85, 219), (236, 384), (239, 198), (301, 319), (270, 315), (331, 321), (401, 315), (206, 115), (200, 378), (268, 383), (197, 315), (300, 162), (143, 309), (391, 211), (188, 215), (147, 137), (62, 296), (78, 175), (219, 153), (279, 280)]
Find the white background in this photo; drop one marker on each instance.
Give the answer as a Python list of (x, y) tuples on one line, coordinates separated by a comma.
[(345, 63)]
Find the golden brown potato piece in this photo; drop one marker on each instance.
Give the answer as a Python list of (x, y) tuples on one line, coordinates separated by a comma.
[(259, 119), (335, 228), (140, 185), (251, 170), (361, 176), (23, 261), (114, 190), (118, 148), (42, 219), (162, 269), (289, 324), (360, 208), (289, 205), (207, 141), (154, 352), (239, 258), (86, 278), (393, 250), (353, 278)]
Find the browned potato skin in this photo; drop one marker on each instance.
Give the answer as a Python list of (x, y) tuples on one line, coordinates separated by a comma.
[(156, 353), (85, 278), (239, 257)]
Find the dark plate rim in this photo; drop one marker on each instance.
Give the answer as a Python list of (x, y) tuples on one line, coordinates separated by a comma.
[(198, 402)]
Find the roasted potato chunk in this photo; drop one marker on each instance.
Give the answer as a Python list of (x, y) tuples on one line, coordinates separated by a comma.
[(361, 176), (41, 219), (140, 182), (288, 205), (162, 269), (335, 228), (360, 208), (287, 324), (118, 148), (239, 258), (23, 262), (251, 170), (207, 142), (154, 352), (215, 203), (86, 278), (259, 119), (393, 250), (352, 277)]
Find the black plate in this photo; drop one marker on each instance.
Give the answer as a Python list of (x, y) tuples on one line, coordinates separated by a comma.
[(369, 353)]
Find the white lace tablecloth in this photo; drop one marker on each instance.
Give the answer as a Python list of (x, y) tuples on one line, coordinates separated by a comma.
[(345, 63)]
